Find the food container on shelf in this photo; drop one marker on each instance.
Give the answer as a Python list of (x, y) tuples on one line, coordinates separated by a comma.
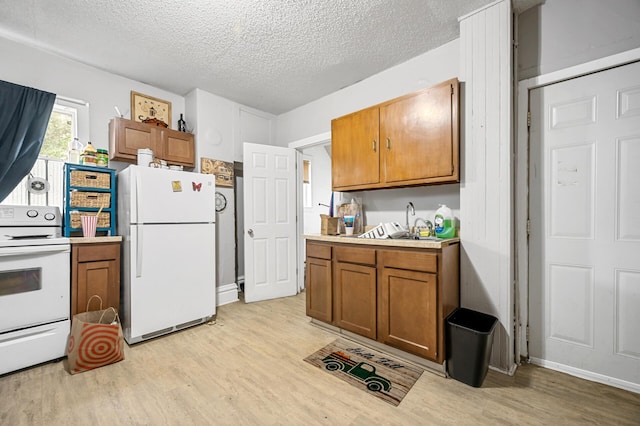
[(102, 158), (145, 157)]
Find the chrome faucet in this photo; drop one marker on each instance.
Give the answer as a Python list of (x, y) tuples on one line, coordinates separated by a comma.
[(427, 223), (413, 213)]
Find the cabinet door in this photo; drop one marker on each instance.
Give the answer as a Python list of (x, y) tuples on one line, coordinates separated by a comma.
[(178, 148), (318, 289), (98, 278), (127, 136), (407, 316), (355, 148), (419, 137), (95, 269), (355, 298)]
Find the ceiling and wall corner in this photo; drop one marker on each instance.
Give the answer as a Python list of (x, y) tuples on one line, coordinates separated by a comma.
[(267, 54), (554, 37)]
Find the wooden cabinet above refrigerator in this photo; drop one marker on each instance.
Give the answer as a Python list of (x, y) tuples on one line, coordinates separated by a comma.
[(127, 136)]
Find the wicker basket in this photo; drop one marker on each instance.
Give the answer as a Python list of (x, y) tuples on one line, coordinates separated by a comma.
[(104, 220), (90, 179), (90, 199)]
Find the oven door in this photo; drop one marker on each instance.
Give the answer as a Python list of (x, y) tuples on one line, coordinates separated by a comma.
[(34, 285)]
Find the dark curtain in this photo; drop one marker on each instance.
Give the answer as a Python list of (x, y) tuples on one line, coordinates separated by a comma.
[(24, 115)]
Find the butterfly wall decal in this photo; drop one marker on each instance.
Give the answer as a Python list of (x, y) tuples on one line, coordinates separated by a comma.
[(196, 186)]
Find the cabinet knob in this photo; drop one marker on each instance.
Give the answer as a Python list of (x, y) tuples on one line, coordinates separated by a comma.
[(374, 145), (388, 143)]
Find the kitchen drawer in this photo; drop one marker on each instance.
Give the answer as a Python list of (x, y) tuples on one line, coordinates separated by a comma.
[(90, 179), (319, 251), (98, 251), (355, 255), (409, 260)]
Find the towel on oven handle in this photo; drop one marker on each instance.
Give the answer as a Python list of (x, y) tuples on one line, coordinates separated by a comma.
[(95, 340)]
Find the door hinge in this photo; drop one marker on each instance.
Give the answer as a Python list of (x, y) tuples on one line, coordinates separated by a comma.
[(528, 119), (452, 91), (528, 227), (527, 332)]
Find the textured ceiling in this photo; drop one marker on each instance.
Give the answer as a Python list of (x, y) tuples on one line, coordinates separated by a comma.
[(273, 55)]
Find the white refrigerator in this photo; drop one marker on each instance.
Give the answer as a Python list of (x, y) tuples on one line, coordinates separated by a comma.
[(167, 222)]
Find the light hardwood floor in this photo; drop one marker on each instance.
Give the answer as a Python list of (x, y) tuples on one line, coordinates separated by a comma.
[(248, 369)]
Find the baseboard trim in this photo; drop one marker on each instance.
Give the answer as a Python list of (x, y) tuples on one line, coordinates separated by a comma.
[(227, 293), (587, 375)]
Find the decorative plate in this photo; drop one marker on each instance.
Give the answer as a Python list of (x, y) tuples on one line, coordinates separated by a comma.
[(221, 202)]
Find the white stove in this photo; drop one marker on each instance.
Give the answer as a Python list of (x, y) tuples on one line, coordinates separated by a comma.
[(30, 226), (34, 286)]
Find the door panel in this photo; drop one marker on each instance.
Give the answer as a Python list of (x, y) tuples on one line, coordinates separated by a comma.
[(270, 222), (417, 136), (585, 238), (355, 149), (169, 287), (408, 311), (355, 298)]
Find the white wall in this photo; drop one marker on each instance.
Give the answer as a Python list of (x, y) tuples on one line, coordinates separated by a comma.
[(219, 124), (220, 127), (486, 258), (422, 71), (315, 118), (563, 33), (36, 68)]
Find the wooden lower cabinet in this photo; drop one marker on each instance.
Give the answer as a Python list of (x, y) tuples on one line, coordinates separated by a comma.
[(397, 296), (355, 298), (95, 270), (407, 311), (318, 289), (318, 282)]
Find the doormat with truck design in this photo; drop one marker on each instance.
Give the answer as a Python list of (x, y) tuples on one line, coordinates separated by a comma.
[(386, 378)]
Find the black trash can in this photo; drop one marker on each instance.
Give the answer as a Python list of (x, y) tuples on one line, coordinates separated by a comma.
[(469, 341)]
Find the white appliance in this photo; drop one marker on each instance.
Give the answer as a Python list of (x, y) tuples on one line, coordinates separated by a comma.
[(386, 230), (167, 221), (34, 286)]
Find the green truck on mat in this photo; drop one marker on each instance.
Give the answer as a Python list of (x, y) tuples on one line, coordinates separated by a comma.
[(362, 371)]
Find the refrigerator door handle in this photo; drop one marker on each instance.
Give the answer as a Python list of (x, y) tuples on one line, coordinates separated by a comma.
[(138, 251), (137, 197)]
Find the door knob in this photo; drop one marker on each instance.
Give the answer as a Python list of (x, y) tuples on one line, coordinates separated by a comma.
[(250, 232)]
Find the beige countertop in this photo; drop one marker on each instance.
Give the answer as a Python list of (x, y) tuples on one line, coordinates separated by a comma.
[(95, 240), (432, 244)]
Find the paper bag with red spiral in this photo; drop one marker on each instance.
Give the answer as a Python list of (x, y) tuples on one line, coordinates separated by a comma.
[(95, 340)]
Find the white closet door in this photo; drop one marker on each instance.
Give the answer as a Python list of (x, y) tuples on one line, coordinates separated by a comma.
[(585, 226)]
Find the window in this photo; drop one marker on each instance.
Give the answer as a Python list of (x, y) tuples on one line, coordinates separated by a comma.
[(69, 119), (306, 183)]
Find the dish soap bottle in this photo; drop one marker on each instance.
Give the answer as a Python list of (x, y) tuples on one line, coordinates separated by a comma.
[(444, 222)]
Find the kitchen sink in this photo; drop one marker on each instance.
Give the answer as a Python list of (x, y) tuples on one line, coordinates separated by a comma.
[(411, 237)]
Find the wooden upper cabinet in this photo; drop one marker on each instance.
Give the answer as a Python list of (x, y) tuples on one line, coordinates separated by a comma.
[(410, 140), (178, 148), (127, 136), (355, 148), (418, 137)]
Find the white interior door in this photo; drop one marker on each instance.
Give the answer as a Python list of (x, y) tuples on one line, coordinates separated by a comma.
[(584, 283), (270, 246)]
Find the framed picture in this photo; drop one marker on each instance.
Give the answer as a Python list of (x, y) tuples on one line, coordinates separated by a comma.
[(147, 109), (222, 169)]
